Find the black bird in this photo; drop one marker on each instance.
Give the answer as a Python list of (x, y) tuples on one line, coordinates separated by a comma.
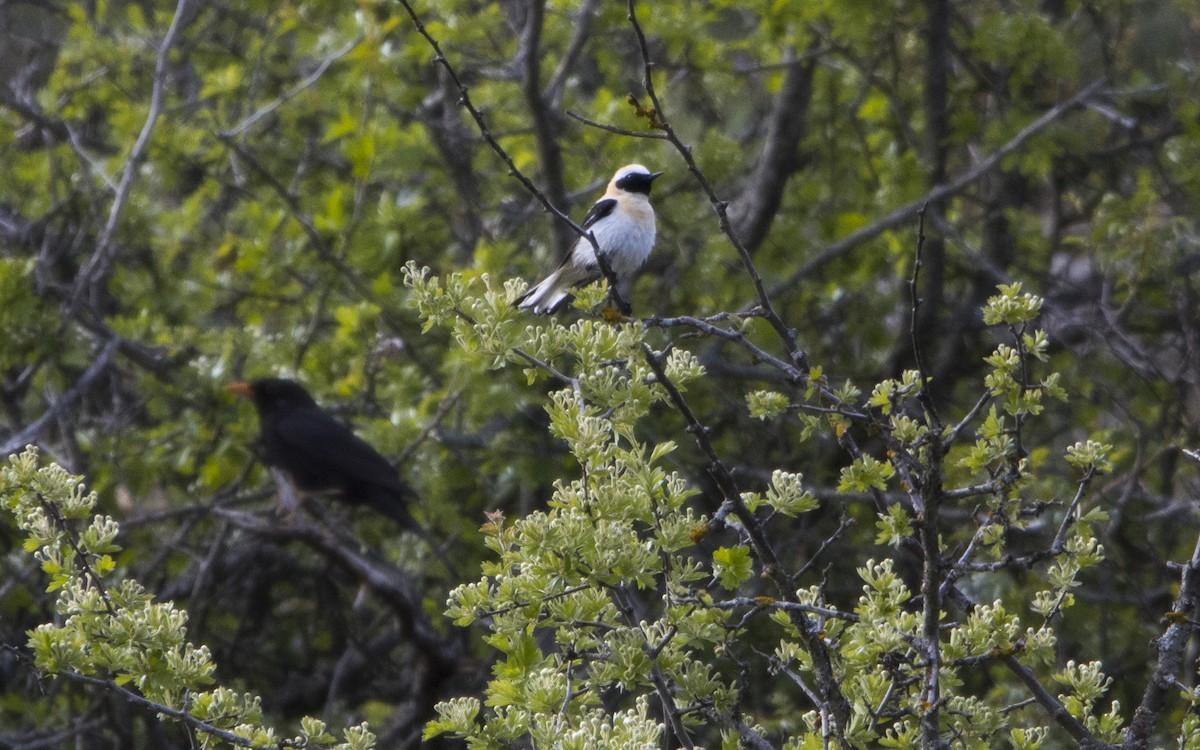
[(321, 454)]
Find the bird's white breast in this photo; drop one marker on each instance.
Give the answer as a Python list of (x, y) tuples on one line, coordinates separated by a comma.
[(626, 236)]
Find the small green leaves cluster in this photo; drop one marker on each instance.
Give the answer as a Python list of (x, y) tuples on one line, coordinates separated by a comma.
[(785, 494), (866, 473), (1090, 456), (888, 393), (767, 404), (109, 628), (1010, 307), (1080, 552), (575, 569), (1087, 683), (1007, 380)]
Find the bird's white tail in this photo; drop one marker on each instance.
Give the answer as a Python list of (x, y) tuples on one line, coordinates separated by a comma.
[(547, 296)]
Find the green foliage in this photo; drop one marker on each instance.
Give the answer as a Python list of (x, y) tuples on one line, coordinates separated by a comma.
[(622, 527), (110, 629), (309, 198)]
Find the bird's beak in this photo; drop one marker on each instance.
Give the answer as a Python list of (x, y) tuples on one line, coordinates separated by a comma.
[(241, 388), (655, 175)]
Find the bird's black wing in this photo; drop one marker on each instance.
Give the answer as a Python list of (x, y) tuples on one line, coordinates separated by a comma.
[(598, 211), (322, 453)]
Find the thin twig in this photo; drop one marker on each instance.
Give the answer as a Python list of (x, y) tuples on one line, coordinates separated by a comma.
[(659, 120), (32, 431), (915, 294), (794, 375), (513, 171), (159, 708), (304, 84), (769, 603), (618, 131), (98, 265)]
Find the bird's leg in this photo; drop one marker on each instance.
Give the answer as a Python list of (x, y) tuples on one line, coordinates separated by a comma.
[(613, 315), (288, 499)]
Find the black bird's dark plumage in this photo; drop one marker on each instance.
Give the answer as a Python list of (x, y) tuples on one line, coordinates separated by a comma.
[(321, 454)]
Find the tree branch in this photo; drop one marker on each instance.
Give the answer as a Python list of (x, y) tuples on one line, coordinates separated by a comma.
[(1054, 706), (753, 212), (96, 269), (1170, 655), (658, 120), (32, 431), (545, 128), (822, 664), (908, 210), (566, 64), (139, 700)]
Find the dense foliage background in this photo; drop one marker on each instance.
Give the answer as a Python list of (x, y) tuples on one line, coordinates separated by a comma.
[(202, 191)]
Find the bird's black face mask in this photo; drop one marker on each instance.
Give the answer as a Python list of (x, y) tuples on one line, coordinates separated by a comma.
[(638, 182)]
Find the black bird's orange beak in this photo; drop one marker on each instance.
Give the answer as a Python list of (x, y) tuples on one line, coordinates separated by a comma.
[(241, 388)]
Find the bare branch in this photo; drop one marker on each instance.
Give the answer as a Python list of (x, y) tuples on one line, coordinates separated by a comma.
[(615, 129), (96, 269), (306, 83), (659, 120), (794, 374), (915, 295), (32, 431), (1171, 648), (513, 171)]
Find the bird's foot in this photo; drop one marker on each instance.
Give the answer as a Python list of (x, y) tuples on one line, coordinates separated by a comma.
[(613, 315)]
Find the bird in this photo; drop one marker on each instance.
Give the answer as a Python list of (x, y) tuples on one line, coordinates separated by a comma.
[(622, 222), (319, 453)]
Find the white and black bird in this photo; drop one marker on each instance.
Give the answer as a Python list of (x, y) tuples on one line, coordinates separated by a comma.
[(622, 222)]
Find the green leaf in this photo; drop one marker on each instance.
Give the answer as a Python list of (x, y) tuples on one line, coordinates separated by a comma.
[(732, 566)]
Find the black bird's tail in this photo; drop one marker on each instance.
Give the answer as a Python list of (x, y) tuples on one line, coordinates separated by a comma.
[(394, 505)]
